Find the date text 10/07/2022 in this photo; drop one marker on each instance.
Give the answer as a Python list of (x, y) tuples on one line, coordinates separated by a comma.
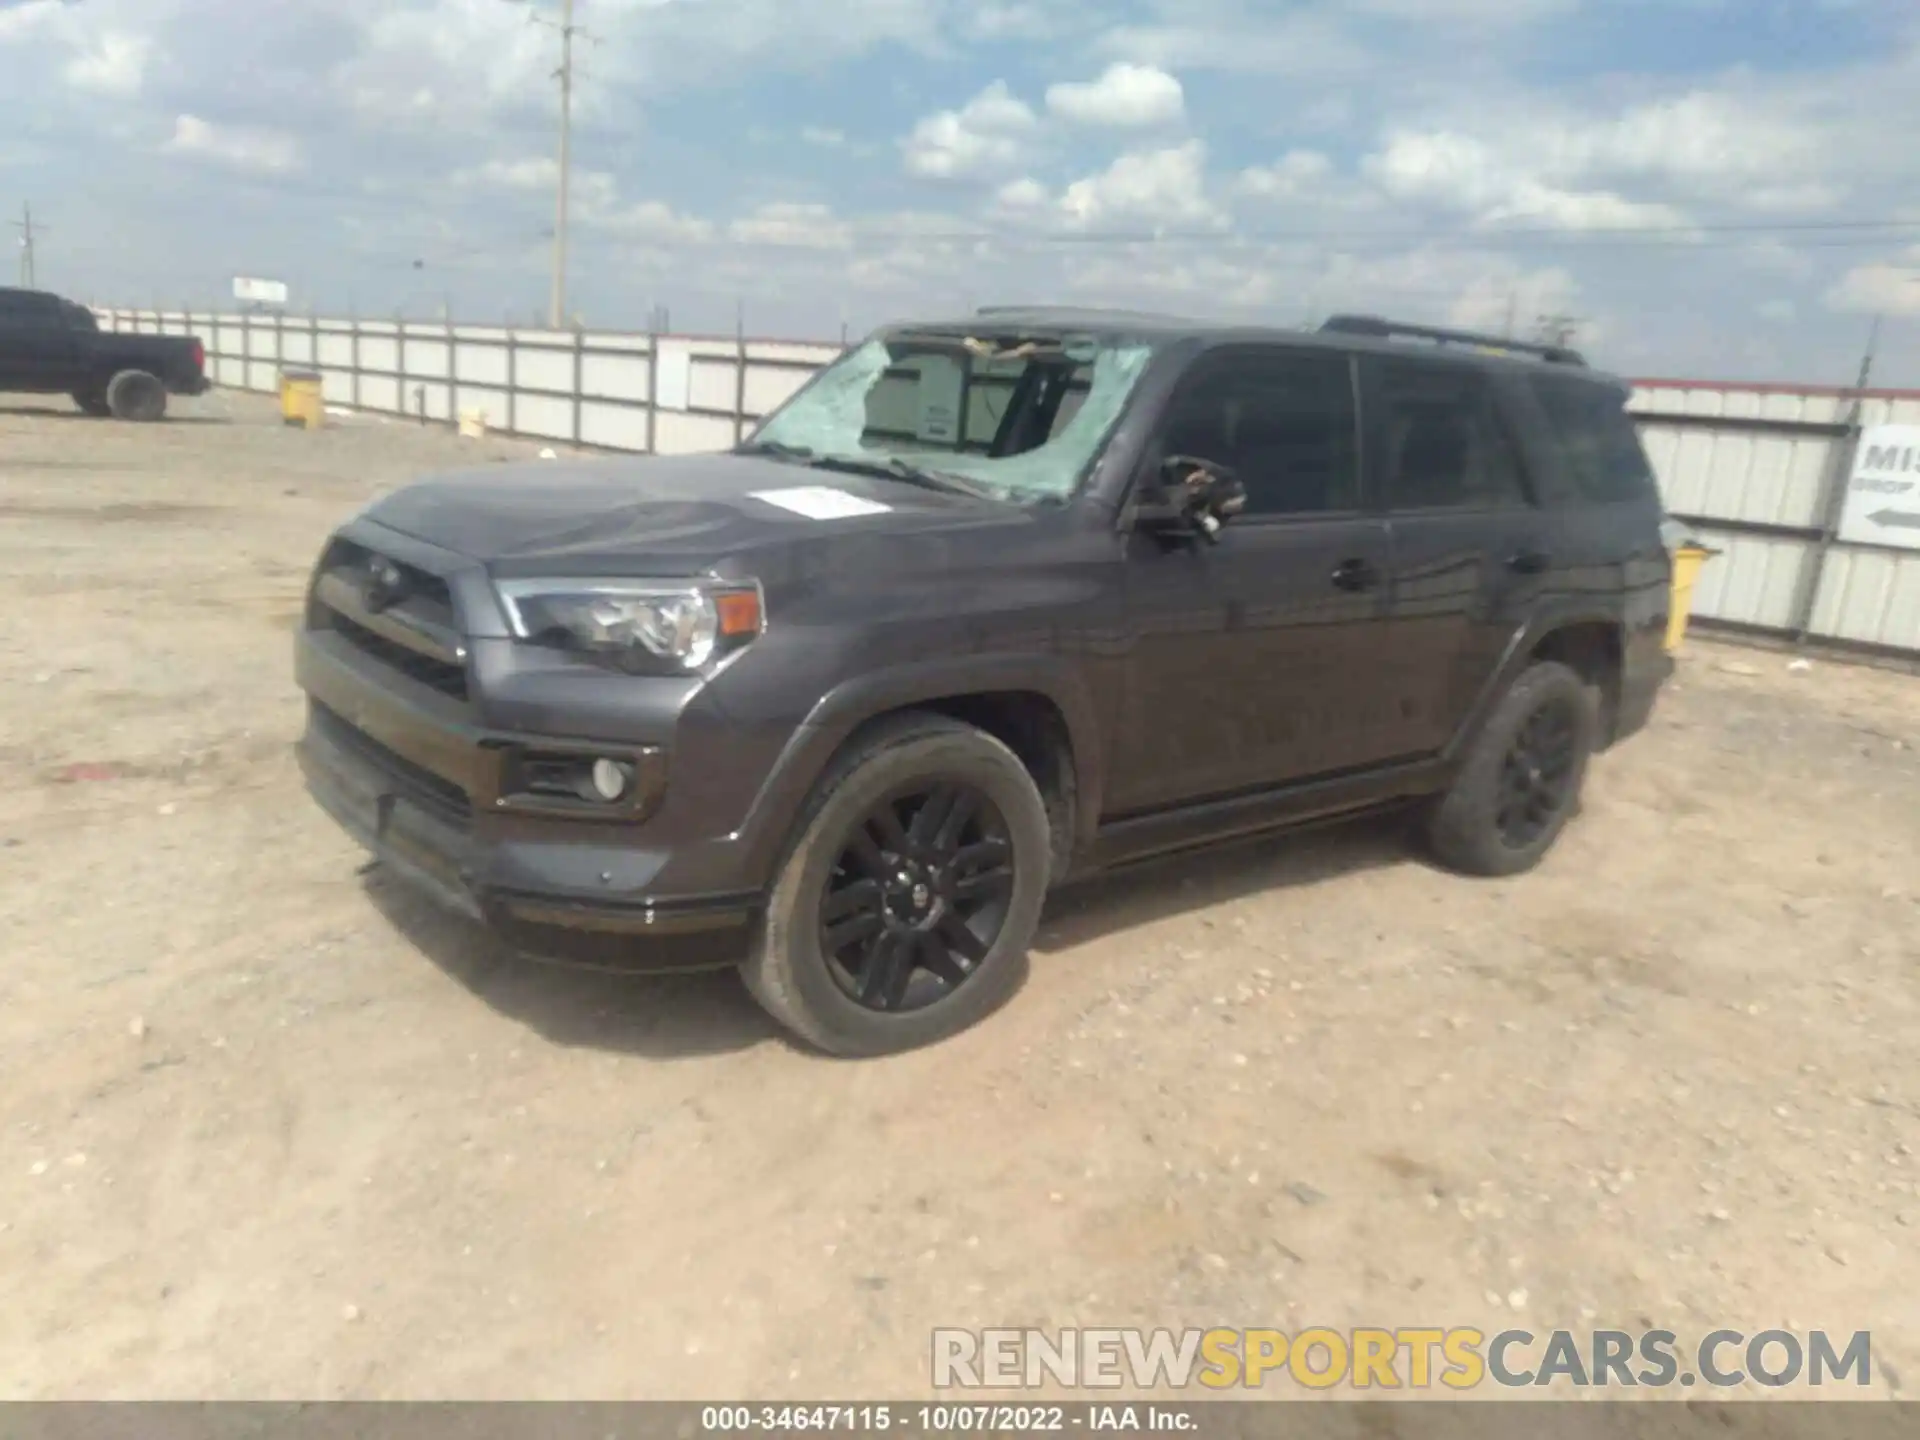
[(945, 1419)]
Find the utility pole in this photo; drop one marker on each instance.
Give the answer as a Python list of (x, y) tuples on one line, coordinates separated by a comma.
[(557, 300), (27, 234), (557, 307)]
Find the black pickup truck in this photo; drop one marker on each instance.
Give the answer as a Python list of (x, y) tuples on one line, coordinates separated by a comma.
[(50, 346)]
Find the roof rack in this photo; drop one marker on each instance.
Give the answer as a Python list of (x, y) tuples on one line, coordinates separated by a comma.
[(1378, 329)]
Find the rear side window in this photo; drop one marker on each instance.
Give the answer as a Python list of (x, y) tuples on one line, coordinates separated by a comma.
[(1596, 439), (26, 310), (1445, 445)]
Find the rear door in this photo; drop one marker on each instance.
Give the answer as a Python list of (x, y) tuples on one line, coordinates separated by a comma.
[(1469, 544), (1253, 658), (37, 349)]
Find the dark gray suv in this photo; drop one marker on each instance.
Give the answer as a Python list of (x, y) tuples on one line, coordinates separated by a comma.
[(990, 604)]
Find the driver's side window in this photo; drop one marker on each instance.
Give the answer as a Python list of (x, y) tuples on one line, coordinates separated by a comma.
[(1283, 420)]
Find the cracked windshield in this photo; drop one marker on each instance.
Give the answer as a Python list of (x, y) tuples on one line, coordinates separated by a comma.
[(1021, 418)]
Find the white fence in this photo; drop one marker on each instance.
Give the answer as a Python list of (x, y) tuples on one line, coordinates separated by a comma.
[(1760, 472), (665, 394)]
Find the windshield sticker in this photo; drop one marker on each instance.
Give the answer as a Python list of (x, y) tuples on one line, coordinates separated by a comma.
[(821, 502)]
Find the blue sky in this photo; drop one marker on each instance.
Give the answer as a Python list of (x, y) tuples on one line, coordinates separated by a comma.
[(1715, 187)]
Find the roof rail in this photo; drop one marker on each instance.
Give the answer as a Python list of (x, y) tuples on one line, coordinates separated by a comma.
[(1379, 329)]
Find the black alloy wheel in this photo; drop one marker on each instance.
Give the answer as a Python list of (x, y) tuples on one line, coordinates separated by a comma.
[(917, 896), (1537, 776)]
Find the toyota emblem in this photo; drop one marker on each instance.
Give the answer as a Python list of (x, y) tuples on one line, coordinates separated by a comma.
[(385, 582)]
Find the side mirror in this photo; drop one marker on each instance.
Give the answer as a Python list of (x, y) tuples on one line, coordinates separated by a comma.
[(1190, 496)]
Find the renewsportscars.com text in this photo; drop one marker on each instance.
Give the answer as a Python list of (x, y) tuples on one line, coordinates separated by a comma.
[(1406, 1358)]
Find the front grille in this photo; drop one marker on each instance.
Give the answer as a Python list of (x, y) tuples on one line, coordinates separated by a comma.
[(447, 679), (427, 589), (412, 628), (419, 786)]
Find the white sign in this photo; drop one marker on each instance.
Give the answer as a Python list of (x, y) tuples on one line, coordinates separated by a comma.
[(821, 502), (942, 385), (1883, 493), (259, 292), (672, 375)]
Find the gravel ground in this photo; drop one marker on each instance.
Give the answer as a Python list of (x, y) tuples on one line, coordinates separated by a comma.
[(273, 1129)]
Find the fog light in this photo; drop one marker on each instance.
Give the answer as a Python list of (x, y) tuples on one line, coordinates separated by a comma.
[(610, 779)]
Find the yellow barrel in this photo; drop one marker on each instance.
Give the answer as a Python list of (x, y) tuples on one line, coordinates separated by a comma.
[(302, 401), (1687, 560)]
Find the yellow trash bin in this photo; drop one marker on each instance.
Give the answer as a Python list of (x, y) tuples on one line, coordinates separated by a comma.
[(302, 401), (1687, 560)]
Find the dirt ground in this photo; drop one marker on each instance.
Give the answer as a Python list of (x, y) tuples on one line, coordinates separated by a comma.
[(272, 1129)]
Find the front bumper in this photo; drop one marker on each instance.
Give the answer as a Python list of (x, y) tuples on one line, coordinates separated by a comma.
[(410, 777)]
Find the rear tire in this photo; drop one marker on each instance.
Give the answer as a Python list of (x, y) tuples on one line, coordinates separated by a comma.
[(1520, 783), (904, 908), (92, 402), (136, 395)]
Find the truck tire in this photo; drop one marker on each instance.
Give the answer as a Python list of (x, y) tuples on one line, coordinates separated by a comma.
[(1521, 779), (903, 909), (92, 402), (136, 395)]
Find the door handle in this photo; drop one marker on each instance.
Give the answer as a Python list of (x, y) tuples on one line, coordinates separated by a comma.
[(1529, 562), (1355, 575)]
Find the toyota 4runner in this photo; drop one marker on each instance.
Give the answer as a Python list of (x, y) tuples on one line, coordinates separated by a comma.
[(988, 605)]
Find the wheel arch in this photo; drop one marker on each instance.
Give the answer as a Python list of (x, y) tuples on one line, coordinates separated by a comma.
[(1045, 716), (1588, 639)]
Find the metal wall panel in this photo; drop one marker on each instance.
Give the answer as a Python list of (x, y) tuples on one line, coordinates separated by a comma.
[(1871, 597), (1728, 474), (1755, 579)]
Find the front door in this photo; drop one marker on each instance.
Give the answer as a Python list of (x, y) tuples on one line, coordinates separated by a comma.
[(1253, 659)]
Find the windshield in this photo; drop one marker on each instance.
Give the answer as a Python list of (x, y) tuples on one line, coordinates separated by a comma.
[(1021, 416)]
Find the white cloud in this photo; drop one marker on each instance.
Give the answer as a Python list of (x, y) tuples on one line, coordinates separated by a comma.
[(25, 22), (1125, 95), (649, 220), (1467, 174), (800, 226), (113, 64), (823, 136), (538, 172), (1879, 288), (594, 198), (1304, 43), (1492, 302), (1469, 12), (1292, 175), (1025, 194), (1167, 186), (990, 132), (237, 146)]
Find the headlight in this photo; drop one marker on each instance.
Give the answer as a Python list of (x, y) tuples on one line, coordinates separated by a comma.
[(670, 625)]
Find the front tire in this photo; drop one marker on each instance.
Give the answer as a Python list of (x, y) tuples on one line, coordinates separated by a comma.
[(136, 395), (903, 911), (1521, 780)]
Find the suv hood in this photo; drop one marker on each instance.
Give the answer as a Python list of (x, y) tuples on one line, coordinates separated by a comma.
[(681, 511)]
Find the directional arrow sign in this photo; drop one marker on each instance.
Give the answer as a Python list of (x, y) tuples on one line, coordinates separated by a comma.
[(1883, 493)]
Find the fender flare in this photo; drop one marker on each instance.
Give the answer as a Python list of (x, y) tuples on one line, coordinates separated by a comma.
[(1514, 659), (843, 710)]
